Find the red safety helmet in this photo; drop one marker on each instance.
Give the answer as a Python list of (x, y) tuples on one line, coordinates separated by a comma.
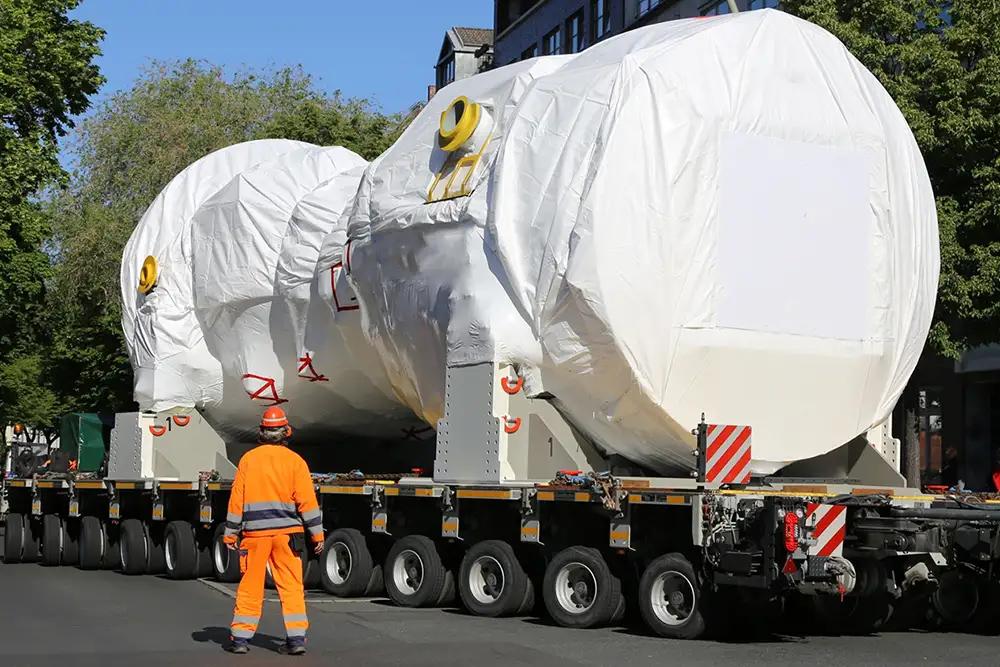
[(274, 418)]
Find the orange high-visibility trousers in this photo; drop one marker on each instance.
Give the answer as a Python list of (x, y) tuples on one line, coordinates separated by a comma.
[(286, 570)]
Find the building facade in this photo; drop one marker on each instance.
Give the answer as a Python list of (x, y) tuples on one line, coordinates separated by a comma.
[(464, 52), (528, 28)]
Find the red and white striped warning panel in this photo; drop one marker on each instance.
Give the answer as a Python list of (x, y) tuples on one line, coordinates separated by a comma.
[(829, 525), (727, 458)]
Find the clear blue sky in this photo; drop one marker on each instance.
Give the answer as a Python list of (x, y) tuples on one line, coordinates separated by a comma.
[(381, 49)]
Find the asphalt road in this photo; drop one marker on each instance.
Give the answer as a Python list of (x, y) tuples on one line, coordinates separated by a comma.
[(66, 617)]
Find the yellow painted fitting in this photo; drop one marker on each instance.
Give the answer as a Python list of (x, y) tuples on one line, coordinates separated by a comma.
[(148, 274), (458, 122)]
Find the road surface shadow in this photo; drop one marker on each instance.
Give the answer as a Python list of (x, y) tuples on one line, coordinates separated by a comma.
[(220, 636)]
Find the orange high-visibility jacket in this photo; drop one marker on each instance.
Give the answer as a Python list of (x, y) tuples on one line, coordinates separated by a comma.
[(273, 494)]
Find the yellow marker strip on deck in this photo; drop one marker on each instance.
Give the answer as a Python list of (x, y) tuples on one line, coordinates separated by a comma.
[(90, 485), (178, 486), (350, 490), (483, 495), (620, 535), (214, 486), (453, 526), (124, 485)]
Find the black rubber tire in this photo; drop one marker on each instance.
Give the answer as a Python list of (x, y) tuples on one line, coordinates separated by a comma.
[(225, 563), (310, 570), (180, 551), (91, 543), (52, 540), (112, 559), (433, 582), (204, 547), (32, 548), (132, 547), (606, 600), (71, 541), (156, 560), (361, 571), (13, 538), (514, 584), (692, 627)]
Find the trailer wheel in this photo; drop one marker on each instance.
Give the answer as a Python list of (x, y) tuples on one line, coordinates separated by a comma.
[(491, 581), (204, 547), (956, 599), (180, 553), (310, 570), (70, 542), (156, 560), (52, 540), (346, 567), (579, 590), (132, 547), (225, 563), (13, 538), (112, 559), (32, 547), (670, 598), (414, 573), (91, 543)]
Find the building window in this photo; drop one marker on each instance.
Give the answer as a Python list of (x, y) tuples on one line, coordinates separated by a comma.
[(600, 19), (762, 4), (552, 43), (530, 52), (574, 33), (716, 8), (446, 72), (646, 5)]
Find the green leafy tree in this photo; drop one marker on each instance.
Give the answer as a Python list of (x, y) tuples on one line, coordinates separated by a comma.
[(126, 152), (47, 76), (940, 61)]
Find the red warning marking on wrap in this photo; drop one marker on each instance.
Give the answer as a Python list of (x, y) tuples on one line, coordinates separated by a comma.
[(336, 275), (267, 391), (829, 527), (307, 372), (727, 460)]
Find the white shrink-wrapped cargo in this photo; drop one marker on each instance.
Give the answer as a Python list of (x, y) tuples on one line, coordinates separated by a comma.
[(219, 321), (171, 364), (727, 216)]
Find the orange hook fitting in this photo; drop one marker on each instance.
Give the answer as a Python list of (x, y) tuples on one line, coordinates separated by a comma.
[(157, 430), (505, 383), (508, 427), (182, 420)]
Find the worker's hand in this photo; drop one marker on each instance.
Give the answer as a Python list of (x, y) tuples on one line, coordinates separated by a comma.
[(318, 547), (231, 546)]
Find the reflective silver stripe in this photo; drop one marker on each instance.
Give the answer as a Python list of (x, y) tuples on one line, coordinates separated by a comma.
[(295, 632), (240, 633), (249, 620), (234, 518), (296, 618), (271, 524), (315, 530), (230, 531), (269, 505), (312, 514)]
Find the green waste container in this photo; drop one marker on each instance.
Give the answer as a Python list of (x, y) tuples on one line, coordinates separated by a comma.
[(85, 438)]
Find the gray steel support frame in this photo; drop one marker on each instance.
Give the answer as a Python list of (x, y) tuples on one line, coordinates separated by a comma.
[(489, 435), (186, 446)]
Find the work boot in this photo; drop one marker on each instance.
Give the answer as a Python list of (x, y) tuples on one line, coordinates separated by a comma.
[(237, 646), (289, 648)]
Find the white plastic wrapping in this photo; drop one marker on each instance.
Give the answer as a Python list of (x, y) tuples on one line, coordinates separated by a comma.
[(725, 216), (229, 310)]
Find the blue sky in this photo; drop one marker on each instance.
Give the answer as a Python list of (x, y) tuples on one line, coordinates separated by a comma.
[(381, 49)]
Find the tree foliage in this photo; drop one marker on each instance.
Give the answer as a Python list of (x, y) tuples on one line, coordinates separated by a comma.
[(47, 76), (126, 152), (940, 61)]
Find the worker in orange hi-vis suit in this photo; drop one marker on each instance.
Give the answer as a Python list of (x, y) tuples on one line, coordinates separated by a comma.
[(273, 503)]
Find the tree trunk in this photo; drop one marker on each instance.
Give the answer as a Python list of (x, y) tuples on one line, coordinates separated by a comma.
[(911, 447)]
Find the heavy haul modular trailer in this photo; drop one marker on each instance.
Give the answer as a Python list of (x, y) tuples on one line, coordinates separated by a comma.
[(584, 543)]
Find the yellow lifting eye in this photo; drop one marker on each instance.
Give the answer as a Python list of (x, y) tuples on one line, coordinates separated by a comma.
[(458, 122), (148, 274)]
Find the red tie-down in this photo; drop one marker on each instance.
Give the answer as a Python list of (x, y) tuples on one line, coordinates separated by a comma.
[(308, 372), (262, 389)]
